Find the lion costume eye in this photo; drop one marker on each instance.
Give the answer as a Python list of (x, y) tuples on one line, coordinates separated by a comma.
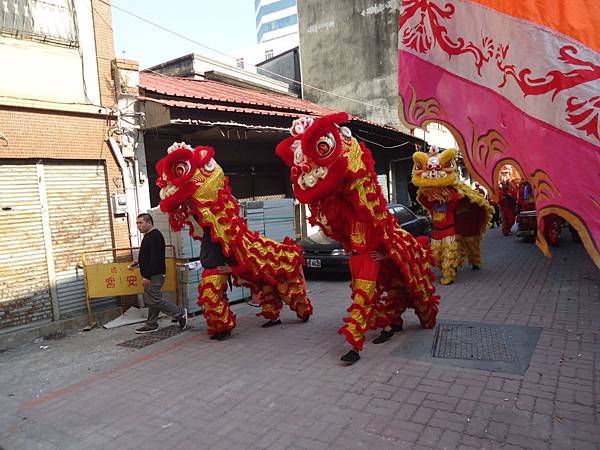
[(181, 168), (325, 145), (210, 166)]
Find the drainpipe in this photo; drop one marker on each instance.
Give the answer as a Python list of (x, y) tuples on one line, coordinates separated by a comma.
[(130, 191)]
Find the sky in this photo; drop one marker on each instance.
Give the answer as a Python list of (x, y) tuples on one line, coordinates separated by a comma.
[(225, 25)]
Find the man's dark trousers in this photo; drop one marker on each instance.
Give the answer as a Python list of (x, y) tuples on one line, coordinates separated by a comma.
[(155, 302)]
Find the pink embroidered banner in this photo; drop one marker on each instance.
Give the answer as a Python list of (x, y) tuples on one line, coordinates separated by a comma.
[(517, 83)]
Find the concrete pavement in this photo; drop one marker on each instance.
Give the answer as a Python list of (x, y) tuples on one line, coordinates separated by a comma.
[(285, 388)]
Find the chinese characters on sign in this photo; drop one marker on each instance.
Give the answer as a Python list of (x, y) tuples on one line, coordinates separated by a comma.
[(106, 280)]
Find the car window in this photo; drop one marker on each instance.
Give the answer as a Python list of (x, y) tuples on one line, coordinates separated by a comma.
[(403, 214)]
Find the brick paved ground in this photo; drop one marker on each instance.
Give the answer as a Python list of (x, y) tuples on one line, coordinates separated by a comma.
[(284, 387)]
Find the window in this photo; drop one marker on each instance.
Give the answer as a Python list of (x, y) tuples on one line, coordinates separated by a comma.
[(47, 20), (239, 63), (276, 25), (277, 6), (403, 214), (268, 54)]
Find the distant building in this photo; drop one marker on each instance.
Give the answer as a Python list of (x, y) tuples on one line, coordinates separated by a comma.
[(284, 67), (350, 49), (275, 20), (276, 33), (203, 68)]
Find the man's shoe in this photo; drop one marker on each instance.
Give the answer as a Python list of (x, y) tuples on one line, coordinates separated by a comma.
[(384, 336), (271, 323), (183, 320), (223, 335), (351, 357), (147, 329)]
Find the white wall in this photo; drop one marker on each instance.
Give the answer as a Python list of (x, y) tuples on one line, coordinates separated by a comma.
[(437, 135), (33, 70), (256, 54)]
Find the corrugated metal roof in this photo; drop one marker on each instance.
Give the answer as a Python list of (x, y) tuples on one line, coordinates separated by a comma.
[(213, 107), (215, 91), (216, 96)]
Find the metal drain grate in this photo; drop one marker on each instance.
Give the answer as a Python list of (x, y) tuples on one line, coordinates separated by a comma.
[(148, 339), (472, 342)]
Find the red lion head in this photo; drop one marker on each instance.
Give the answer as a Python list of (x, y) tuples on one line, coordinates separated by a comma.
[(316, 153), (184, 174)]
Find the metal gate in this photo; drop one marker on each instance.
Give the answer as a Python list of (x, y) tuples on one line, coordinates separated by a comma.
[(24, 287), (401, 171), (79, 220)]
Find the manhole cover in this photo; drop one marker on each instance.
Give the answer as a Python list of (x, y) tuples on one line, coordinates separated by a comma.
[(472, 342), (150, 338)]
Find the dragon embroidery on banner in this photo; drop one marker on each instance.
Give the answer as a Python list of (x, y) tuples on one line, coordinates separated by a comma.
[(421, 28), (194, 190), (334, 175)]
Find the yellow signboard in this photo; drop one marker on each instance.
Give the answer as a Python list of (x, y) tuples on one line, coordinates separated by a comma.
[(112, 279)]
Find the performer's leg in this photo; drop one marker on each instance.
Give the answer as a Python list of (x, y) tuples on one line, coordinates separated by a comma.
[(449, 259), (462, 250), (397, 302), (427, 311), (385, 309), (364, 282), (473, 247), (270, 304), (293, 293), (508, 219), (213, 299), (435, 247), (379, 316)]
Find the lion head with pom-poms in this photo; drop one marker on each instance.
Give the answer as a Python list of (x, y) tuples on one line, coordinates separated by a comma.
[(317, 155), (434, 169), (186, 173)]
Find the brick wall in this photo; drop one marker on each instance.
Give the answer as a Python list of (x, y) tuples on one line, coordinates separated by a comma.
[(57, 135), (50, 134), (105, 51), (37, 134)]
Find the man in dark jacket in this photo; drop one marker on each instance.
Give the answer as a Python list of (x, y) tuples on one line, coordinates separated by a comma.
[(151, 261)]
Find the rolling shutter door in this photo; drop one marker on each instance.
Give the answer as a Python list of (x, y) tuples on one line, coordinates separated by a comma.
[(24, 286), (402, 171), (79, 221)]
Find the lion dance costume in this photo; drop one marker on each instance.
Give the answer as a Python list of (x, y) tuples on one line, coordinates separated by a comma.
[(194, 190), (334, 175), (460, 214)]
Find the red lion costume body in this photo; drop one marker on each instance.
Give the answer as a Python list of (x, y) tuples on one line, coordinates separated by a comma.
[(334, 175), (194, 190)]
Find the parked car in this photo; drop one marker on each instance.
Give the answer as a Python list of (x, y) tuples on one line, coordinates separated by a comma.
[(324, 254)]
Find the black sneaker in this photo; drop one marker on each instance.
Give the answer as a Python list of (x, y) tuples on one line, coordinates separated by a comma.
[(271, 323), (223, 335), (351, 357), (384, 336), (147, 329), (183, 320)]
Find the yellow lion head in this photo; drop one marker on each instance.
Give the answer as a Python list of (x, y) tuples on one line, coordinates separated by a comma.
[(434, 169)]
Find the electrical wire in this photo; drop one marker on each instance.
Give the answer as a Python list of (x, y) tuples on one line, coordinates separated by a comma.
[(229, 67), (378, 144)]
